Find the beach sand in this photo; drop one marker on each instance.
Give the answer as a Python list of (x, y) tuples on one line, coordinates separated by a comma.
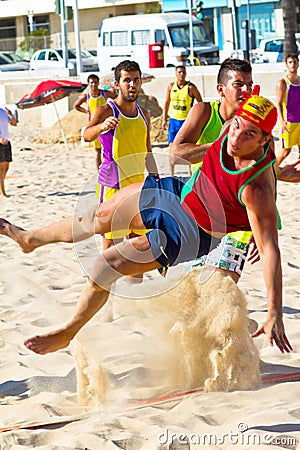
[(182, 342)]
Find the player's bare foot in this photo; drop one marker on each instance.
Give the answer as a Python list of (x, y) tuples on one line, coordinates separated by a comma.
[(48, 343), (19, 235)]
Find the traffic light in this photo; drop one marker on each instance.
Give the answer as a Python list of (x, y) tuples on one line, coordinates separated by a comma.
[(57, 6), (199, 10), (68, 10)]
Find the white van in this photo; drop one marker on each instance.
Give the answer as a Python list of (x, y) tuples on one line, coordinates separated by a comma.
[(128, 37)]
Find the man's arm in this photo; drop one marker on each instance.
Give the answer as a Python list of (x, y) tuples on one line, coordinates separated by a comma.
[(280, 94), (81, 99), (101, 121), (259, 198), (150, 161), (166, 107), (12, 119), (194, 93), (184, 149)]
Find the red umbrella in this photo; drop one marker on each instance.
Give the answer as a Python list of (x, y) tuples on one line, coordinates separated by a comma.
[(49, 91)]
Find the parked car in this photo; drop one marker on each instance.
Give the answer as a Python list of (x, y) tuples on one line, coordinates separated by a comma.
[(14, 58), (52, 58), (271, 50), (7, 66), (91, 55)]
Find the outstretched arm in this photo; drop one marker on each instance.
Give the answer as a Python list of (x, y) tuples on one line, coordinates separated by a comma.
[(259, 198)]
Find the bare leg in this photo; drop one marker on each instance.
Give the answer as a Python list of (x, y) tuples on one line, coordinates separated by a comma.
[(98, 158), (117, 213), (66, 230), (171, 162), (3, 171), (129, 257)]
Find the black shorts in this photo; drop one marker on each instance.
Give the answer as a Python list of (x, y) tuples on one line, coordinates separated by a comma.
[(5, 153), (175, 236)]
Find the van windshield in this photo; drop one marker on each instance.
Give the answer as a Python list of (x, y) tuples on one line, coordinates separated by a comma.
[(180, 35)]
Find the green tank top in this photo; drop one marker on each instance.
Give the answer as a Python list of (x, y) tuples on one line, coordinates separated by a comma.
[(211, 131)]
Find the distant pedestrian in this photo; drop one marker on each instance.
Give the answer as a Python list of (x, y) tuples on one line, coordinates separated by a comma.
[(93, 96), (6, 117), (288, 105), (179, 100)]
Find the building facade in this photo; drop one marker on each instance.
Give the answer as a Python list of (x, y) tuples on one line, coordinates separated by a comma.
[(223, 19)]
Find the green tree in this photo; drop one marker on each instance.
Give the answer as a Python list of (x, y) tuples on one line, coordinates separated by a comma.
[(35, 40), (290, 24)]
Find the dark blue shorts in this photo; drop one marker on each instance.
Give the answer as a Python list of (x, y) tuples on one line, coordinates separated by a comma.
[(175, 236), (5, 152), (174, 127)]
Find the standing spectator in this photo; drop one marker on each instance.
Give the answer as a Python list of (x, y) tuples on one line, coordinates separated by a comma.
[(179, 100), (93, 97), (288, 105), (6, 117)]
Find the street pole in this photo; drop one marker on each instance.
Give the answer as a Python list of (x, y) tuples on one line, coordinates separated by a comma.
[(191, 31), (249, 30), (235, 37), (63, 28), (77, 37)]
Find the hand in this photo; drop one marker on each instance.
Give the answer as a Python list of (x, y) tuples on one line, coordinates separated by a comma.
[(253, 255), (110, 123), (285, 126), (164, 125), (273, 328), (289, 172), (3, 141)]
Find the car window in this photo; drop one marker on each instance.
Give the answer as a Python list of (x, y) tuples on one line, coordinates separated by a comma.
[(3, 60), (274, 46), (41, 56), (8, 57), (53, 56)]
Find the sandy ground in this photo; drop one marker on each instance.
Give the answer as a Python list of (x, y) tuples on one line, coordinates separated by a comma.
[(168, 336)]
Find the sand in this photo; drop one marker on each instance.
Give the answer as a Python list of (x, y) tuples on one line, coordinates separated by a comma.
[(185, 337)]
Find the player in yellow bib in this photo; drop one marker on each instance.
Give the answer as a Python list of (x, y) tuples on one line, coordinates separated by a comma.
[(93, 96), (123, 128)]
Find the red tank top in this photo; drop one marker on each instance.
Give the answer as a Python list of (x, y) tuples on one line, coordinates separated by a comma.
[(214, 196)]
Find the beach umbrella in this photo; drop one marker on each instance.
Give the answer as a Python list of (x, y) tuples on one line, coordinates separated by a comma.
[(50, 91)]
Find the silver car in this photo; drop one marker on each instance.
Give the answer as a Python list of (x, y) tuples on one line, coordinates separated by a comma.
[(7, 65), (52, 58)]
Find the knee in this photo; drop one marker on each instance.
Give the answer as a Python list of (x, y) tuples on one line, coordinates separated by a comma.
[(93, 285), (172, 159)]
